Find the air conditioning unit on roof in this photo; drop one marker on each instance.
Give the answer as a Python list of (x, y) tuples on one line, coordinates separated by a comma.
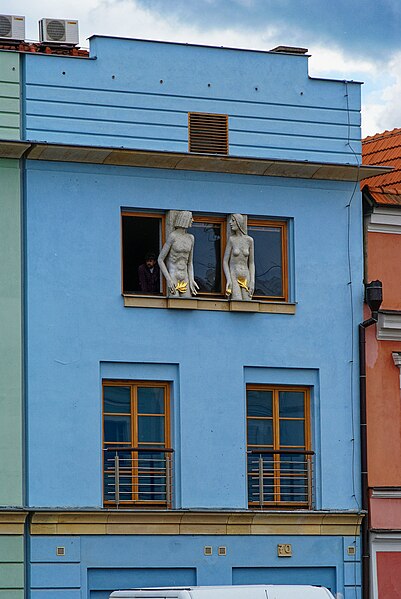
[(12, 28), (58, 31)]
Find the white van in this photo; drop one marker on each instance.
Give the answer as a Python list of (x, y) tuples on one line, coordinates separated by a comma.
[(272, 591)]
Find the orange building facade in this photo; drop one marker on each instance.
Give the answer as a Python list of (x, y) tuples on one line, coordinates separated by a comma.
[(382, 227)]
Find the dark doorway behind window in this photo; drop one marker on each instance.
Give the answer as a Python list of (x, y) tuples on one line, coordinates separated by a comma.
[(140, 236)]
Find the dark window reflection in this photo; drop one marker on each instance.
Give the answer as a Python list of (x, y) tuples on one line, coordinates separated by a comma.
[(268, 260), (207, 256), (117, 399)]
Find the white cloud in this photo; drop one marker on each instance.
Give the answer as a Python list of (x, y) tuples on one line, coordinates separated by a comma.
[(334, 62)]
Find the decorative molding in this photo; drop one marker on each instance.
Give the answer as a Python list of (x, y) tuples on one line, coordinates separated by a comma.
[(143, 301), (188, 161), (384, 220), (196, 523), (394, 493), (389, 326), (12, 523)]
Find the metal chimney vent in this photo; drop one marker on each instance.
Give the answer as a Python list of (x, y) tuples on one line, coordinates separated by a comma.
[(208, 133)]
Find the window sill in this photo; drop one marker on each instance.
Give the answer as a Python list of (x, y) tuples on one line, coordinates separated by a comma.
[(223, 305)]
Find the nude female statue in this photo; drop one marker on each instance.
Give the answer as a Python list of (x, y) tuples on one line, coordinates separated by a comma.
[(239, 261), (176, 258)]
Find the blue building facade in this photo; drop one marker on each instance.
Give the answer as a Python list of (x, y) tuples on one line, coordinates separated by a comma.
[(174, 441)]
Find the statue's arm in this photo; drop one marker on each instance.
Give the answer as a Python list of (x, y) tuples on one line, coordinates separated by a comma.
[(192, 283), (162, 256), (226, 267), (251, 267)]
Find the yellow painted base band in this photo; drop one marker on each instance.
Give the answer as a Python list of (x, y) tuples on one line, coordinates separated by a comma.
[(143, 301), (12, 523), (195, 523)]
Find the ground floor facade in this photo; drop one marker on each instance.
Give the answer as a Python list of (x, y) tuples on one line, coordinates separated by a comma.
[(86, 555)]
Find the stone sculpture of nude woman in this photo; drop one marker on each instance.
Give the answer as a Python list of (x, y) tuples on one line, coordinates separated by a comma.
[(239, 261), (176, 258)]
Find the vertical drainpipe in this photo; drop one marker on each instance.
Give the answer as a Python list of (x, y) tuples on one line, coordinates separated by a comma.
[(373, 297)]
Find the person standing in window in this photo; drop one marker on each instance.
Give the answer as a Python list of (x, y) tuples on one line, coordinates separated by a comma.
[(149, 274), (239, 261)]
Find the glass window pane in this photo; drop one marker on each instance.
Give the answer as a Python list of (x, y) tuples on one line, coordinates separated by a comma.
[(207, 256), (293, 489), (152, 488), (150, 429), (260, 432), (117, 399), (292, 432), (292, 404), (268, 260), (150, 400), (117, 428), (294, 463), (260, 403)]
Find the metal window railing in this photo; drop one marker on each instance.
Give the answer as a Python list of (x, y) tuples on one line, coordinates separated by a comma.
[(280, 477), (138, 476)]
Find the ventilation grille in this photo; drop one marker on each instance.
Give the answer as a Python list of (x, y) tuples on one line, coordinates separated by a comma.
[(55, 30), (208, 133), (5, 26)]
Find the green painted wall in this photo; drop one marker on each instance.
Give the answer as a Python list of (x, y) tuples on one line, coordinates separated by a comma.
[(11, 448), (10, 336), (11, 567), (9, 95)]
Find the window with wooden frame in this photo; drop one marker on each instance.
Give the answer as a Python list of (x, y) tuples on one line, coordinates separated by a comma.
[(279, 446), (207, 133), (271, 259), (210, 241), (142, 239), (136, 442)]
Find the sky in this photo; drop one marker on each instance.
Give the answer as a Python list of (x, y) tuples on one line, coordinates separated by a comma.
[(356, 40)]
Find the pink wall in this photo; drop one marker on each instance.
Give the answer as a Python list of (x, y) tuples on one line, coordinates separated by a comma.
[(389, 574)]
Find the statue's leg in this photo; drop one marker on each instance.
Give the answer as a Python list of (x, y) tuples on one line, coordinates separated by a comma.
[(236, 294)]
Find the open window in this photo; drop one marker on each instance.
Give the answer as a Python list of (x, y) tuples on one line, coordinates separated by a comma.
[(142, 239), (271, 259), (210, 240), (279, 446)]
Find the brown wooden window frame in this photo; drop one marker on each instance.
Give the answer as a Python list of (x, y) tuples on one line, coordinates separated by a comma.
[(283, 226), (210, 136), (306, 449), (134, 443)]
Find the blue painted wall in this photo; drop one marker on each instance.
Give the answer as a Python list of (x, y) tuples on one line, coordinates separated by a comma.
[(137, 94), (78, 331), (93, 566)]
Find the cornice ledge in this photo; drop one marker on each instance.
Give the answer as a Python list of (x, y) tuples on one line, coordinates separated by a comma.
[(12, 522), (389, 325), (196, 523), (184, 161)]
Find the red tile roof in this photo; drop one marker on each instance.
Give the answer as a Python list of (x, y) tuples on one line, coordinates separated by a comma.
[(384, 149), (38, 48)]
